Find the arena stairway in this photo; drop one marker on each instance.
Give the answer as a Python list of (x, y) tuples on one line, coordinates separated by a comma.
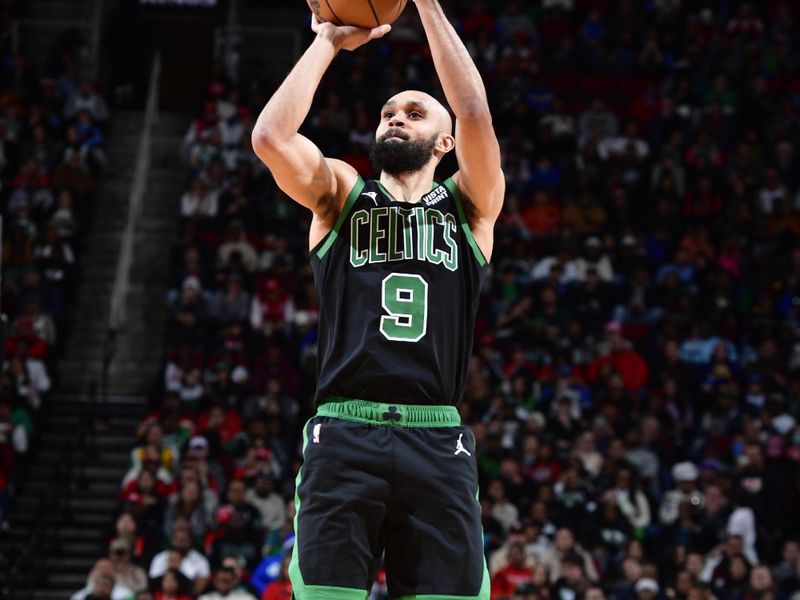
[(134, 363), (64, 510)]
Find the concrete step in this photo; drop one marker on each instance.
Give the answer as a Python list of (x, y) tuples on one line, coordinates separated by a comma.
[(74, 519), (83, 534), (104, 456), (110, 463), (106, 489), (117, 424), (80, 364), (68, 564), (126, 409), (86, 548), (65, 581), (87, 337)]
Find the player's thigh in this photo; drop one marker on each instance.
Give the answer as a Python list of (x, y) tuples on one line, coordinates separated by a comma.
[(434, 538), (341, 503)]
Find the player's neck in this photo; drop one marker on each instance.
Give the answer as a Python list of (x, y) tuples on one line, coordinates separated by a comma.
[(409, 187)]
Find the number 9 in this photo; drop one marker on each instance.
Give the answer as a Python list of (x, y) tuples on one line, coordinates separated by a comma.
[(405, 298)]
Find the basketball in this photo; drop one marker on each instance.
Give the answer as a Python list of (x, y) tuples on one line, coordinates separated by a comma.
[(360, 13)]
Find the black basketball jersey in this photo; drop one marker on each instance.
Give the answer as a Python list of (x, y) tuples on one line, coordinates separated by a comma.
[(399, 286)]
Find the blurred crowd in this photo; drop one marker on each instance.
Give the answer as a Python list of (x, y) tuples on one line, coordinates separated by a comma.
[(635, 383), (52, 132)]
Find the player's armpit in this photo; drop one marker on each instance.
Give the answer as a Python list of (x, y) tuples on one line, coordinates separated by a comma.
[(305, 175), (481, 225)]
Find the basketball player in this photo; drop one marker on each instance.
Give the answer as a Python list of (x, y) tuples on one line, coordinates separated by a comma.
[(388, 467)]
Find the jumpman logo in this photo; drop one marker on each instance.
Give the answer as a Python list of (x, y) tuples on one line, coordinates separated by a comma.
[(460, 446), (372, 195)]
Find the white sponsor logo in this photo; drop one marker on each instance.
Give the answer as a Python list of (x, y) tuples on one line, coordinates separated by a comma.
[(435, 196), (315, 433), (372, 196)]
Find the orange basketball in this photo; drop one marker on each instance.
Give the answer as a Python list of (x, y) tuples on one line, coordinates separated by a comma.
[(361, 13)]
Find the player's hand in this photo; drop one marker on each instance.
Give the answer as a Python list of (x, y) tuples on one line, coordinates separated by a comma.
[(347, 37)]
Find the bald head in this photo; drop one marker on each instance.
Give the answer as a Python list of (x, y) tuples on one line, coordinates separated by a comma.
[(414, 133), (426, 104)]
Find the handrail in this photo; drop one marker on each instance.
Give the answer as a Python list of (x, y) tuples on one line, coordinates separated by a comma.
[(98, 10), (122, 279)]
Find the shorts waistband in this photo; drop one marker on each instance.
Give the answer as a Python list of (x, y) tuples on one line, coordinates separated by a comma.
[(394, 415)]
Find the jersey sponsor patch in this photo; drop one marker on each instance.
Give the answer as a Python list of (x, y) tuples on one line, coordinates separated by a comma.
[(436, 196)]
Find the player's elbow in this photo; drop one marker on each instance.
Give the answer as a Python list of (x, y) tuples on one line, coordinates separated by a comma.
[(266, 141)]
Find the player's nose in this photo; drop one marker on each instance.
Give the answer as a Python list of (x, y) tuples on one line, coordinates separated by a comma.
[(397, 121)]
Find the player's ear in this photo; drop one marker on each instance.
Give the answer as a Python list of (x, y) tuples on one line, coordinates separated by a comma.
[(445, 144)]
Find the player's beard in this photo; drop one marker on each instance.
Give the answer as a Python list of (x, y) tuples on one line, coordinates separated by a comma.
[(399, 158)]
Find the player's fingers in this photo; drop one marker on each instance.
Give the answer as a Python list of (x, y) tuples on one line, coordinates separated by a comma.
[(314, 23), (379, 32)]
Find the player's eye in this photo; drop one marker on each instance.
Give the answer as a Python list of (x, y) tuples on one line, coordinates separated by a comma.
[(415, 114), (388, 115)]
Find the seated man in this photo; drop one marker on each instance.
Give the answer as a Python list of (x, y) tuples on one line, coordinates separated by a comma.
[(227, 583), (193, 564)]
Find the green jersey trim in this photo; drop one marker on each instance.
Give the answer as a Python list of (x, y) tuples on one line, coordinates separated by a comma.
[(388, 195), (348, 205), (462, 217)]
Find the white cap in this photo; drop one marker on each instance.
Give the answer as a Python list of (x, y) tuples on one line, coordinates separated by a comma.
[(198, 441), (685, 471), (783, 424), (645, 583), (191, 282)]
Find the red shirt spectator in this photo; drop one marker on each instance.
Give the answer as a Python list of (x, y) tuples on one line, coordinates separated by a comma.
[(506, 580)]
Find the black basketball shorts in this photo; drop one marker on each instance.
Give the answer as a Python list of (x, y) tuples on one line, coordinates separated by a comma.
[(398, 481)]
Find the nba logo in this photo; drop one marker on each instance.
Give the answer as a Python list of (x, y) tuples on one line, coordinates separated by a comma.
[(315, 434)]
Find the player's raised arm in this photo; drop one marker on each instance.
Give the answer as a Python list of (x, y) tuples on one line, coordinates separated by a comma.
[(480, 176), (298, 166)]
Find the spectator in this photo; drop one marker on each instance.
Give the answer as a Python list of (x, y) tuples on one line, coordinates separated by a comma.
[(631, 501), (564, 546), (506, 580), (281, 588), (270, 504), (572, 582), (86, 99), (685, 475), (787, 573), (193, 565), (199, 201), (236, 539), (102, 584), (125, 573), (188, 504), (236, 250), (171, 587), (227, 584)]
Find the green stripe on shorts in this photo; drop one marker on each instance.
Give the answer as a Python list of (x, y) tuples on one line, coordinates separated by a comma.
[(300, 590)]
